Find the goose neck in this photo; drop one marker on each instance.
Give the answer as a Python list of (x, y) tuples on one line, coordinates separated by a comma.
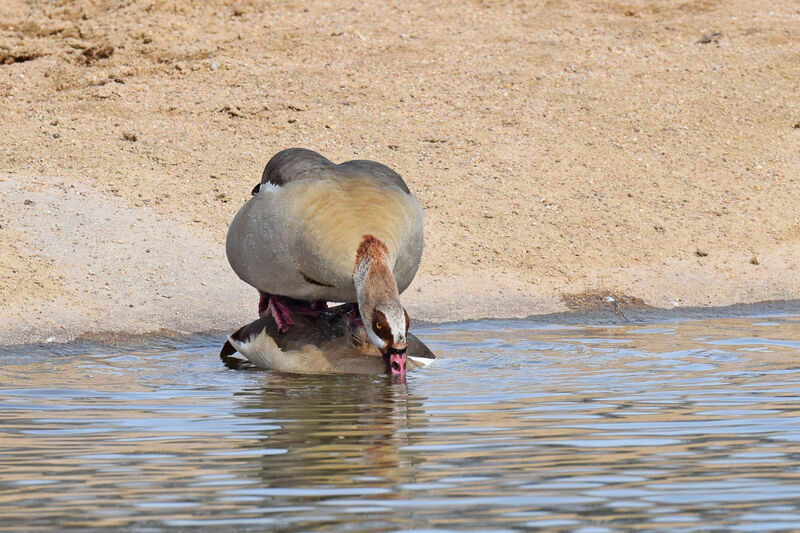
[(372, 275)]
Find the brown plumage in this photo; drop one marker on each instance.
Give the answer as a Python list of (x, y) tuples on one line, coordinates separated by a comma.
[(323, 344), (370, 248)]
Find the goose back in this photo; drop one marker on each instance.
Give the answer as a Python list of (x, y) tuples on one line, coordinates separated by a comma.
[(298, 235), (316, 345)]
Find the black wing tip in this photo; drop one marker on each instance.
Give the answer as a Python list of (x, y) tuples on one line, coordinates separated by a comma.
[(237, 335), (256, 190), (227, 350), (226, 355)]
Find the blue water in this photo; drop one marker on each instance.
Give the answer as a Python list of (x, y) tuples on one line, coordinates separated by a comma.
[(690, 425)]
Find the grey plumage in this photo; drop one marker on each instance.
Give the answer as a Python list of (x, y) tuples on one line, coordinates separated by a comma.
[(300, 163), (298, 235)]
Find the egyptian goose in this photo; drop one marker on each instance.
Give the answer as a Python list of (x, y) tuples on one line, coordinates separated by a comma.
[(323, 344), (319, 232)]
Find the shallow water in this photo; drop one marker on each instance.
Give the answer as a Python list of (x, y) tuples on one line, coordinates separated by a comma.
[(691, 425)]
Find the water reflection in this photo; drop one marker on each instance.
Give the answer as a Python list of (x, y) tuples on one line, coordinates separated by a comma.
[(334, 429), (690, 425)]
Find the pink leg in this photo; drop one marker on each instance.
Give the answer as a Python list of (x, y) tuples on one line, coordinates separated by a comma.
[(263, 304), (280, 312)]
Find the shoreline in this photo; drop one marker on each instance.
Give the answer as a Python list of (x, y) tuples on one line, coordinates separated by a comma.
[(117, 267), (122, 341)]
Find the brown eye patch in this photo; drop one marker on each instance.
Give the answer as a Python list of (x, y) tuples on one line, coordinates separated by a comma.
[(381, 326)]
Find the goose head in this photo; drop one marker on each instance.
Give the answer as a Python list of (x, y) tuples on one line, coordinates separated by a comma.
[(387, 330), (385, 320)]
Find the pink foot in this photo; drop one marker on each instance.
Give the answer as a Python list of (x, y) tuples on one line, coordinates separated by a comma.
[(280, 312)]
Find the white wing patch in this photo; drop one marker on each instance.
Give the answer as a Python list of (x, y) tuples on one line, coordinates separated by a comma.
[(268, 187), (422, 361), (258, 349)]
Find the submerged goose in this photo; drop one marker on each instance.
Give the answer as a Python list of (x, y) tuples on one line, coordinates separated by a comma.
[(317, 232), (323, 344)]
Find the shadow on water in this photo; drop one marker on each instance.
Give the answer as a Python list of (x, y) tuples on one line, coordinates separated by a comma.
[(669, 424)]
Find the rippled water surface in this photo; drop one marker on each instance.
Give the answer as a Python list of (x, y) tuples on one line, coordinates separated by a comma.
[(691, 425)]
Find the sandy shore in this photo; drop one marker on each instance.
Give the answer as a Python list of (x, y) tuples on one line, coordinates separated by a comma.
[(563, 152)]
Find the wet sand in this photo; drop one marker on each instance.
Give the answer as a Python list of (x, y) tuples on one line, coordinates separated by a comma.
[(647, 151)]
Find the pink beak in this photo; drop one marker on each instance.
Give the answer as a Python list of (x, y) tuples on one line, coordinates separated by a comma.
[(397, 363)]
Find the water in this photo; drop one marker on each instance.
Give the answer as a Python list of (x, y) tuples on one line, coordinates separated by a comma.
[(691, 425)]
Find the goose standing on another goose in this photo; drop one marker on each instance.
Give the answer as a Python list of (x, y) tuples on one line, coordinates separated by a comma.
[(316, 232)]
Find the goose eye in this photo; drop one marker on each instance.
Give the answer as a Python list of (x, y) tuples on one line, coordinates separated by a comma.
[(378, 325)]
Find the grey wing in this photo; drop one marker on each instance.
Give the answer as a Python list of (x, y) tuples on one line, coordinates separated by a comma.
[(417, 348), (294, 163), (258, 249), (300, 163), (410, 251)]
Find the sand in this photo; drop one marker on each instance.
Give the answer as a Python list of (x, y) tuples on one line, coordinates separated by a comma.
[(564, 152)]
